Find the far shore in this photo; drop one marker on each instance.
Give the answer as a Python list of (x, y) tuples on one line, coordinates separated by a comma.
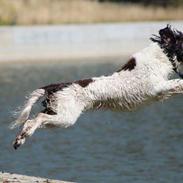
[(76, 43)]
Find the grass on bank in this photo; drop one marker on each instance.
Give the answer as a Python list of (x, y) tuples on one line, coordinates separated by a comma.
[(28, 12)]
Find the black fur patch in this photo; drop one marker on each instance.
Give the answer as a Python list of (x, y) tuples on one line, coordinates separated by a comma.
[(171, 41), (49, 111), (50, 89), (84, 83), (130, 65)]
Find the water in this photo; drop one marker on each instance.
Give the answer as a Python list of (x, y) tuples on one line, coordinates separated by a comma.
[(138, 147)]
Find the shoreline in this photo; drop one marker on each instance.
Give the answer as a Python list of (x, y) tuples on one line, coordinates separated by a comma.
[(76, 42), (79, 60)]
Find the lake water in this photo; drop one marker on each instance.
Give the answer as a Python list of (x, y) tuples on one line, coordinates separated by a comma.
[(137, 147)]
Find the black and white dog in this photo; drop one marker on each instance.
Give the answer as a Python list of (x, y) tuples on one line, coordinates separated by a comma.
[(143, 79)]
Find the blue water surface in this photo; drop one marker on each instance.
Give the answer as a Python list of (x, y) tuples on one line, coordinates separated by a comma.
[(103, 146)]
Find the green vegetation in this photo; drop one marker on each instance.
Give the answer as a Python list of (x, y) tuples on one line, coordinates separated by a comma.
[(30, 12)]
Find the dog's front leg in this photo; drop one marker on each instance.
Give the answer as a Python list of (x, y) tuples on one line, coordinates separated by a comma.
[(169, 88)]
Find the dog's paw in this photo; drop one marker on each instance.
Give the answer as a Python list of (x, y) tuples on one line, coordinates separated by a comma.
[(20, 140), (25, 132)]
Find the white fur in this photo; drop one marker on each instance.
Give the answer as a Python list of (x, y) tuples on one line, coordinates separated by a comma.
[(124, 91), (32, 99)]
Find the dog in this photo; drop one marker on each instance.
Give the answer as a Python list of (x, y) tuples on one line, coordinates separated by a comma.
[(145, 78)]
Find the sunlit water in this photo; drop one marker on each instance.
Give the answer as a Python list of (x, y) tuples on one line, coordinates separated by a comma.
[(137, 147)]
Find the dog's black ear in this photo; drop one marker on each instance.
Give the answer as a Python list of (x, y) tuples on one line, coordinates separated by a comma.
[(167, 36)]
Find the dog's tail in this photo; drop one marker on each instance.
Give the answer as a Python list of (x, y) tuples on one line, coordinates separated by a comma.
[(24, 114)]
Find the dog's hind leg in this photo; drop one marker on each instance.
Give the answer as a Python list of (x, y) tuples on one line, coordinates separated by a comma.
[(24, 115), (30, 126)]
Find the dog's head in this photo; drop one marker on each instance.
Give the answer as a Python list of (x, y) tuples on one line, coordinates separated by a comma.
[(171, 41)]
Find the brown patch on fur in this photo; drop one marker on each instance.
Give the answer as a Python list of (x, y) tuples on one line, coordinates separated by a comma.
[(83, 83), (50, 89), (49, 111), (130, 65)]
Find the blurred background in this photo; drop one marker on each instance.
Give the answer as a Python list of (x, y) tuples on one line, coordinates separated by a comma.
[(30, 12), (51, 41), (57, 29)]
